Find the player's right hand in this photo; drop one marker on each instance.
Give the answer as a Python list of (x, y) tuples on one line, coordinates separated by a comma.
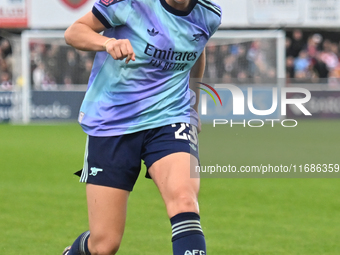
[(121, 49)]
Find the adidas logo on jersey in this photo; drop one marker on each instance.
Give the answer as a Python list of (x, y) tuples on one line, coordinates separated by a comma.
[(153, 32), (194, 252)]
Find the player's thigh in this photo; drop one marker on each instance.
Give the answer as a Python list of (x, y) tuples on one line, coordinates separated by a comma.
[(107, 208), (174, 177)]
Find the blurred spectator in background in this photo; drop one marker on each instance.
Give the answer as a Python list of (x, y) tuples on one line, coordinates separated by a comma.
[(68, 82), (297, 43), (5, 81), (49, 83), (211, 71), (6, 49), (85, 74), (258, 62), (242, 63), (328, 55), (38, 76), (313, 45), (71, 66), (5, 65), (211, 68), (53, 60), (290, 70), (320, 68), (301, 64), (228, 67), (288, 45), (253, 56)]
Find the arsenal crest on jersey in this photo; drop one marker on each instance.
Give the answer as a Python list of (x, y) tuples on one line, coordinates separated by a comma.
[(74, 4)]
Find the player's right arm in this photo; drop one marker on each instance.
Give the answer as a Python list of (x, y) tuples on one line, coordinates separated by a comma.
[(84, 34)]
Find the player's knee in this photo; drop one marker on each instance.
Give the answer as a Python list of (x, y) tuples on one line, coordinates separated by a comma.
[(183, 203), (104, 247), (187, 202)]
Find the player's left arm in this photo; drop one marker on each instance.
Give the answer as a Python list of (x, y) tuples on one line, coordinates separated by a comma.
[(196, 75)]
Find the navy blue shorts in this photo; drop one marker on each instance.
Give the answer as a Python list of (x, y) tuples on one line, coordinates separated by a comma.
[(116, 161)]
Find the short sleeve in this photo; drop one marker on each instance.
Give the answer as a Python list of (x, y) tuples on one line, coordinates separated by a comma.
[(112, 13), (215, 22)]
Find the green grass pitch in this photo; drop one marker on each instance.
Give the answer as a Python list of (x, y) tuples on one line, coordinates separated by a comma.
[(43, 208)]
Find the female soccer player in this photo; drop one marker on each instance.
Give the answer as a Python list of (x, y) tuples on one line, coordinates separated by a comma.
[(139, 106)]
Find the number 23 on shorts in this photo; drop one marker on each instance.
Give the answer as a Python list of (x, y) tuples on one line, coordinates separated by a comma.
[(186, 132)]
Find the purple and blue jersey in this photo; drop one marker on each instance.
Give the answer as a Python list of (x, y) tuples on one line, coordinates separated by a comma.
[(152, 91)]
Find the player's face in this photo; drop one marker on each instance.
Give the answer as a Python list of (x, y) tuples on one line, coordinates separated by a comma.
[(179, 4), (182, 1)]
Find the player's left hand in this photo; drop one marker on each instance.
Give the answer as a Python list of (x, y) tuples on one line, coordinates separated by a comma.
[(199, 126)]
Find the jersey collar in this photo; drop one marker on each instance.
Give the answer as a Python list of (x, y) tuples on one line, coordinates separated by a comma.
[(178, 12)]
